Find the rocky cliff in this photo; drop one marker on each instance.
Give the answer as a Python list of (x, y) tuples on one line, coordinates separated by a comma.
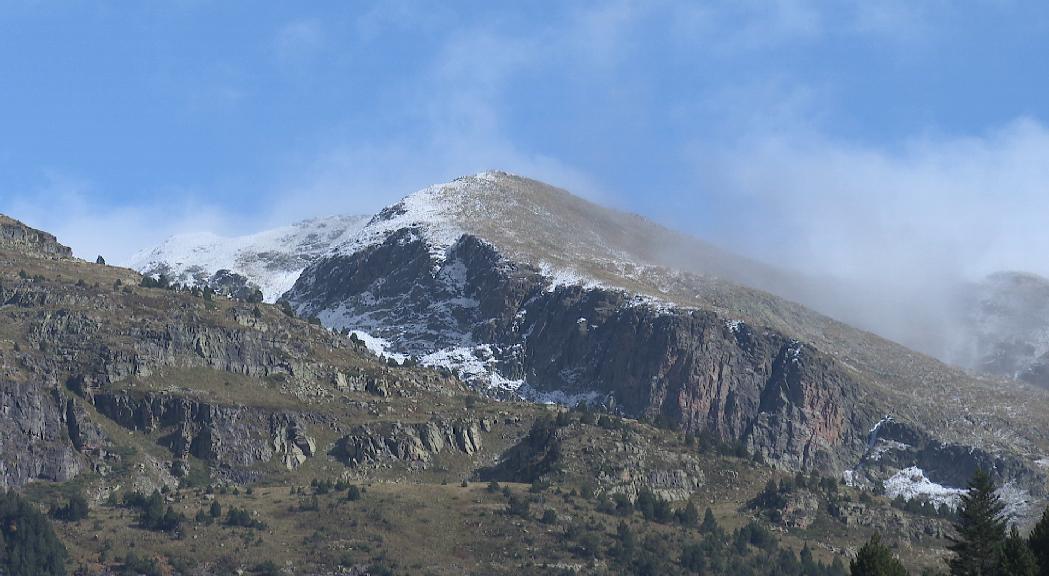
[(15, 235), (226, 388)]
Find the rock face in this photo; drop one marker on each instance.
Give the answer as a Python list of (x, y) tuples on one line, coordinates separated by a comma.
[(234, 437), (17, 236), (66, 345), (686, 367), (618, 461), (415, 445), (290, 440), (41, 434)]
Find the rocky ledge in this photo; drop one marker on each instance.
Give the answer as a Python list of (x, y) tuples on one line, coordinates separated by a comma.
[(17, 236)]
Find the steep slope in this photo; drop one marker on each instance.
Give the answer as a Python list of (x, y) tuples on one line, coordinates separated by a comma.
[(270, 261), (523, 287)]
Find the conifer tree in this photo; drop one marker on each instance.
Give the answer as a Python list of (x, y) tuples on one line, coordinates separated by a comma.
[(28, 545), (1017, 558), (874, 559), (710, 524), (1039, 543), (980, 530)]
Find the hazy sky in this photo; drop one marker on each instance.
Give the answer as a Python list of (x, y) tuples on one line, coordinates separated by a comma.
[(865, 138)]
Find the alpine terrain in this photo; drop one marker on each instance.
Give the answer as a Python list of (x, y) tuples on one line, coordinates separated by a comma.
[(491, 376), (524, 289)]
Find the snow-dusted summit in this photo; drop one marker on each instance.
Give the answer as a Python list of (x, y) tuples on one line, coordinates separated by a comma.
[(270, 260), (526, 288)]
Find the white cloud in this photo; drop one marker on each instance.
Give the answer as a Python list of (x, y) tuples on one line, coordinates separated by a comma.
[(902, 227), (63, 206), (971, 203)]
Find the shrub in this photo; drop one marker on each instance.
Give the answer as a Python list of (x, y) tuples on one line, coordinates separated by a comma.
[(74, 510), (518, 506)]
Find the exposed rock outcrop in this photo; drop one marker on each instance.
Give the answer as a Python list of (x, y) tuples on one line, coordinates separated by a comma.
[(415, 445), (233, 437), (40, 434), (687, 367), (15, 235), (290, 440)]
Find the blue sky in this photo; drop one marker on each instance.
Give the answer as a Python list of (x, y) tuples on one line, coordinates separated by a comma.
[(852, 137)]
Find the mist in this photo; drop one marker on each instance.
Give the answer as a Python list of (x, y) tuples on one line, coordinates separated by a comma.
[(892, 241)]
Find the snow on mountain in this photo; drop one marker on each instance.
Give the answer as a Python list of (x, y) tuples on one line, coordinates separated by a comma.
[(912, 483), (270, 260)]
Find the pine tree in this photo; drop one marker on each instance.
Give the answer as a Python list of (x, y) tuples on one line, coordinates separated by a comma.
[(28, 545), (690, 514), (1017, 559), (710, 524), (980, 530), (1039, 543), (874, 559)]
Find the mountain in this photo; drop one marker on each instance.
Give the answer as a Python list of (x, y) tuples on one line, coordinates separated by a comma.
[(205, 435), (269, 261), (179, 432), (524, 288)]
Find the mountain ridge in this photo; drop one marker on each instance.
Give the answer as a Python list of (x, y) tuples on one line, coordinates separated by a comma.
[(494, 274)]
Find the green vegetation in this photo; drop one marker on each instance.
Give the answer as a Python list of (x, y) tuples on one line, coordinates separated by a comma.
[(29, 546), (1039, 543), (74, 510), (983, 547), (874, 559), (152, 513)]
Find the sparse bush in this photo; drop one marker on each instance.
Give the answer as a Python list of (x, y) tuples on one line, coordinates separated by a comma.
[(518, 506), (75, 509), (353, 493)]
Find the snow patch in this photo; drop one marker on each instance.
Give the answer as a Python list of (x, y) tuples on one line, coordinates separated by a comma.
[(474, 364), (560, 397), (911, 483), (431, 211), (1018, 502), (560, 276), (379, 346), (883, 447), (272, 260)]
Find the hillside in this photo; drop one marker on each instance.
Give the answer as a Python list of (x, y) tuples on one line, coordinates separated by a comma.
[(209, 435), (272, 445)]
